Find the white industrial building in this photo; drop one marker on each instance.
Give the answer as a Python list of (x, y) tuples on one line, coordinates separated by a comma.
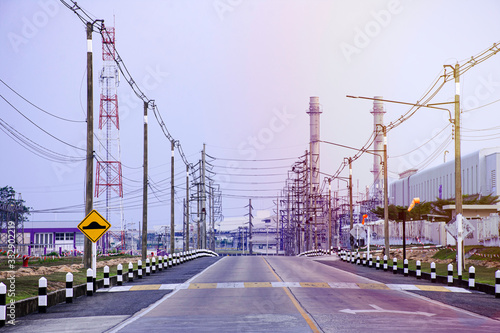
[(479, 173)]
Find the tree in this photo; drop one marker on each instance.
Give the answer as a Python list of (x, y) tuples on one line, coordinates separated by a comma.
[(12, 209), (436, 207)]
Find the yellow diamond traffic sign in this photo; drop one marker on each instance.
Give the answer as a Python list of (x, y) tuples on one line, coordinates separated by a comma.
[(94, 226)]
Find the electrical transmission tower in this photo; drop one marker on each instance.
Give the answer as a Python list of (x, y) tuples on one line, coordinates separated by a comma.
[(109, 170)]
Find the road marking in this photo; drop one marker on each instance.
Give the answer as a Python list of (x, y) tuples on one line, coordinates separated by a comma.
[(402, 287), (286, 284), (373, 286), (458, 290), (202, 286), (343, 285), (258, 284), (281, 284), (301, 310), (433, 288), (314, 285), (146, 287), (378, 309), (140, 314), (230, 285)]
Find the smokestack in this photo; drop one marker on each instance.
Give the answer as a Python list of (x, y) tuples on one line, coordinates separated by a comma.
[(378, 145), (314, 113)]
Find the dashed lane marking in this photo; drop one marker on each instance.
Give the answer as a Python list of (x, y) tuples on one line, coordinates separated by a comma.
[(330, 285), (434, 288), (314, 285), (258, 284), (202, 286), (146, 287), (373, 286)]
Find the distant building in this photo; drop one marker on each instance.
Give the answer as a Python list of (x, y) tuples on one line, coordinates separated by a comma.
[(43, 237), (479, 173)]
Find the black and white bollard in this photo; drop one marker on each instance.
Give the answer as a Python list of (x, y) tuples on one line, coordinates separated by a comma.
[(148, 273), (130, 272), (90, 282), (405, 267), (160, 263), (153, 265), (386, 266), (165, 261), (395, 265), (139, 269), (3, 302), (106, 276), (119, 275), (433, 272), (69, 288), (419, 270), (364, 259), (497, 284), (370, 260), (42, 295), (377, 265), (170, 261), (450, 274), (472, 278), (358, 258)]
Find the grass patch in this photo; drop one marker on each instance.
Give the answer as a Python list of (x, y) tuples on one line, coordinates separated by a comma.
[(27, 286)]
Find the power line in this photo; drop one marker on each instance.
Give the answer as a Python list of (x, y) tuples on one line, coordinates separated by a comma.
[(39, 108), (32, 122), (36, 148)]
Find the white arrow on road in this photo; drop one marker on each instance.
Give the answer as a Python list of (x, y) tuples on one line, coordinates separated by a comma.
[(377, 309)]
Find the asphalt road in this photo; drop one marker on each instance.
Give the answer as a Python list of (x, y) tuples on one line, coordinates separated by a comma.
[(272, 294), (105, 310)]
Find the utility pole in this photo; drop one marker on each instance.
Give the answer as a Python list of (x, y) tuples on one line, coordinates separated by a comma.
[(184, 225), (277, 224), (172, 194), (351, 220), (212, 217), (198, 206), (329, 214), (458, 157), (87, 252), (386, 196), (250, 243), (187, 207), (458, 174), (203, 202), (145, 187)]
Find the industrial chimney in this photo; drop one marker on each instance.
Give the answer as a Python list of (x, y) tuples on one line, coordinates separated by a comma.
[(314, 113), (378, 145)]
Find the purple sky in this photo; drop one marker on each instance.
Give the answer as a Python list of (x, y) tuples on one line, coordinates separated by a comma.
[(237, 75)]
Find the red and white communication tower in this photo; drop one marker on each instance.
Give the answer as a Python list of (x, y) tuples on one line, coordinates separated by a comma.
[(109, 170)]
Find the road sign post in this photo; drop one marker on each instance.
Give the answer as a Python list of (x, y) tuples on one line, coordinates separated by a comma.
[(94, 226)]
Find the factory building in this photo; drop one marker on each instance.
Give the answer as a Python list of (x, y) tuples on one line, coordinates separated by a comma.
[(479, 174)]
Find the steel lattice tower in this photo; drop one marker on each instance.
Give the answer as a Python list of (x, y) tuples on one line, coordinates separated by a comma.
[(109, 171)]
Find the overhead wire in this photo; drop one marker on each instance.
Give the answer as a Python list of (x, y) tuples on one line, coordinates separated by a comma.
[(39, 108)]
